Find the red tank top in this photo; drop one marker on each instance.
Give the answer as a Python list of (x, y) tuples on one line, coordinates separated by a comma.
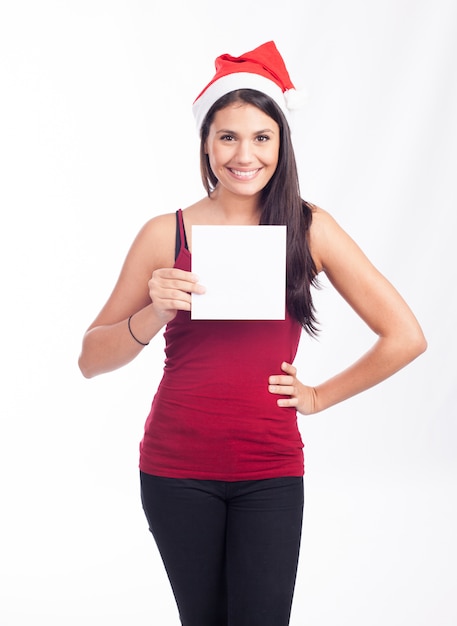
[(213, 416)]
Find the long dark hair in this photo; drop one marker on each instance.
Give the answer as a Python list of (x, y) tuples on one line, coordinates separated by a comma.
[(281, 204)]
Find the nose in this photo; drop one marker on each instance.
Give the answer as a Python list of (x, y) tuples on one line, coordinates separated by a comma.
[(244, 152)]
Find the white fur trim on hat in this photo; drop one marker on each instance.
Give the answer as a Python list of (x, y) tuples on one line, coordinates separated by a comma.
[(295, 99), (232, 82)]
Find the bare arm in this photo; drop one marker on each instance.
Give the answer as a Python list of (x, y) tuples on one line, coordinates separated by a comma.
[(147, 289), (376, 301)]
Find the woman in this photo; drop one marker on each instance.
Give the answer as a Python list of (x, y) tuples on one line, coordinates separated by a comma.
[(221, 459)]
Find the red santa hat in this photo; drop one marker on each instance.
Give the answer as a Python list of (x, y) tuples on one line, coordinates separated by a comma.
[(262, 69)]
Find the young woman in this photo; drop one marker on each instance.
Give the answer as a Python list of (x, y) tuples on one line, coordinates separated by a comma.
[(221, 459)]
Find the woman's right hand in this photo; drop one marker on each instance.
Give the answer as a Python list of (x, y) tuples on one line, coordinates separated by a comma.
[(170, 291)]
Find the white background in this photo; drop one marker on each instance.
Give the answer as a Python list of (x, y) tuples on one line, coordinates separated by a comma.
[(96, 136)]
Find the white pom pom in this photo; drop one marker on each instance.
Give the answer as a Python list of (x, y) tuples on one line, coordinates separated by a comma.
[(295, 99)]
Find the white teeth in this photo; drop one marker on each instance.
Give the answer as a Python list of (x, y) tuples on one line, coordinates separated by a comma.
[(244, 174)]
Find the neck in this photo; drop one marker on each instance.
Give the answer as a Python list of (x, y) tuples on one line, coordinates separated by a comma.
[(235, 209)]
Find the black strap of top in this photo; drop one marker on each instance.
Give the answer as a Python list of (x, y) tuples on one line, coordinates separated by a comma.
[(180, 233)]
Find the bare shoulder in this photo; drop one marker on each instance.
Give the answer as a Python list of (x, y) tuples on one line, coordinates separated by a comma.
[(322, 233), (155, 240), (321, 219), (158, 226)]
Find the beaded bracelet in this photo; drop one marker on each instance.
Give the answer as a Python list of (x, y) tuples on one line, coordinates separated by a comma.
[(131, 332)]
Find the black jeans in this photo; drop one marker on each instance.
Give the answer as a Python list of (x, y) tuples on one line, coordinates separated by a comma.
[(230, 548)]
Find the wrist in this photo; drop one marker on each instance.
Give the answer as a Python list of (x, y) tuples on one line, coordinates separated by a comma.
[(318, 401), (144, 324), (133, 335)]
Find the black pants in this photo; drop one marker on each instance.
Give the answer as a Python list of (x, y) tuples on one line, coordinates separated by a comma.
[(230, 548)]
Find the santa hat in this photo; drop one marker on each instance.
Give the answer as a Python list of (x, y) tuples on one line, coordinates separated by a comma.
[(262, 69)]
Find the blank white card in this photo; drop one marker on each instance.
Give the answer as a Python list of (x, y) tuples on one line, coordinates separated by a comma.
[(243, 269)]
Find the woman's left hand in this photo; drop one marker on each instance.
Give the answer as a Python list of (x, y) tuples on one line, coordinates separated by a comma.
[(299, 396)]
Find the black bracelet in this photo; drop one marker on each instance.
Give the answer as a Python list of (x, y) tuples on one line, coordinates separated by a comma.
[(131, 332)]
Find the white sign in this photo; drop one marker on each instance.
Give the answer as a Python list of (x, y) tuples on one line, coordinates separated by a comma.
[(243, 269)]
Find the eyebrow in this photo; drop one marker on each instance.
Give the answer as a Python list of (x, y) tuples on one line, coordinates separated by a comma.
[(233, 132)]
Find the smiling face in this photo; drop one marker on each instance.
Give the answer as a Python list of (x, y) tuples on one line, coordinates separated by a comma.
[(243, 149)]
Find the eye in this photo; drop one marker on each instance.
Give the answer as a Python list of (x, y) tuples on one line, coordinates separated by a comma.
[(227, 137), (262, 138)]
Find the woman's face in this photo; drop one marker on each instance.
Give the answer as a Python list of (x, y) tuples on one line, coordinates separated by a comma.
[(243, 148)]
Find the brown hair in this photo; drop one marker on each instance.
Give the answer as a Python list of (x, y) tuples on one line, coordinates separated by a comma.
[(281, 204)]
